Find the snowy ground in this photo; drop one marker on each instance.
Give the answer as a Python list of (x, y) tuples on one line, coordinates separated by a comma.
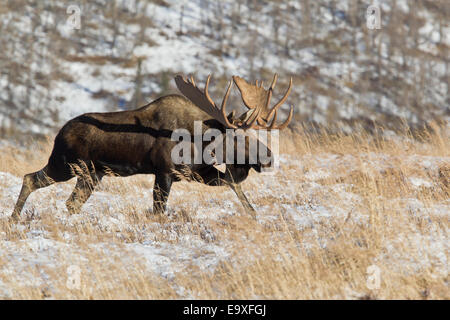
[(309, 193)]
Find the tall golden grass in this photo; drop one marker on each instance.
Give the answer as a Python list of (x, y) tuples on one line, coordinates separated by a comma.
[(268, 258)]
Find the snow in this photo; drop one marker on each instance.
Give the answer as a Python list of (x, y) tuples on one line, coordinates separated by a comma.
[(296, 187), (190, 52), (167, 248), (419, 182)]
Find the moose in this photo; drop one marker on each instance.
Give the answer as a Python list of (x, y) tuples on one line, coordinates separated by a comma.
[(139, 142)]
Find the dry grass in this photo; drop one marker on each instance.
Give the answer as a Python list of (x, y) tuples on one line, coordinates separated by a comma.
[(274, 257)]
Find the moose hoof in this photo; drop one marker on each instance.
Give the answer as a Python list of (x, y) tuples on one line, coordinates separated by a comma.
[(13, 218)]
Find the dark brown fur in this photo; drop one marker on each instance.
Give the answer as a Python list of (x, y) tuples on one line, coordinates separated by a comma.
[(127, 143)]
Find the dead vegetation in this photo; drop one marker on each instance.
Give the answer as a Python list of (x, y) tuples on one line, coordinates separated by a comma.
[(355, 192)]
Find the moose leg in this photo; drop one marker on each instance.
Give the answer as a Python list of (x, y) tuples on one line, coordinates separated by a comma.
[(81, 193), (31, 182), (241, 196), (161, 191), (212, 176)]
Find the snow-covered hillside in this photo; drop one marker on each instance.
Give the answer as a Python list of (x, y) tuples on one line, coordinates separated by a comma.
[(125, 53)]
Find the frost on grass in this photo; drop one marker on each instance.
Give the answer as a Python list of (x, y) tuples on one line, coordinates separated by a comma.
[(316, 196)]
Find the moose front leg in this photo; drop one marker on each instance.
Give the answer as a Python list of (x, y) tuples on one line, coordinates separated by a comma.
[(232, 178), (161, 191), (241, 196)]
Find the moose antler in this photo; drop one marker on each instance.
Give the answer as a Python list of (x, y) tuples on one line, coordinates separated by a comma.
[(204, 102), (257, 99)]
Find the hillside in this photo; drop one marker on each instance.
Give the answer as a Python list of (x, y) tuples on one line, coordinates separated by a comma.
[(358, 209), (126, 53)]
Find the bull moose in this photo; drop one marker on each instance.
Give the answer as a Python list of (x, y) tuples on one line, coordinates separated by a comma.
[(139, 142)]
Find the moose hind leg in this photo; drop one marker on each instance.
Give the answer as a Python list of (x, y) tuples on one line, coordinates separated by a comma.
[(31, 182), (81, 193), (161, 191)]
